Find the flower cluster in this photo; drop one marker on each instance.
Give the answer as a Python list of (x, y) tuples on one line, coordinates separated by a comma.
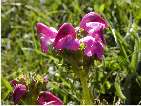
[(91, 24), (21, 91)]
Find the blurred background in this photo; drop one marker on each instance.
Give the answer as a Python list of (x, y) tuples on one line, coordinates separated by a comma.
[(117, 77)]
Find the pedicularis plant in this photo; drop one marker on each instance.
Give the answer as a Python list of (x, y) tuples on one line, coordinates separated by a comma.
[(77, 46)]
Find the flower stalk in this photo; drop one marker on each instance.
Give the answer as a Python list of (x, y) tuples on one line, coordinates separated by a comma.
[(86, 97), (82, 74)]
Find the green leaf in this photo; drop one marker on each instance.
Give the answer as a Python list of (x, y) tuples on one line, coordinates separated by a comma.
[(122, 43), (134, 58), (6, 84)]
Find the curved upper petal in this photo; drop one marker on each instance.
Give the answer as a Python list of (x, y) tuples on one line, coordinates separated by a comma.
[(47, 35), (47, 98), (50, 32), (64, 30), (92, 17), (66, 38), (93, 47)]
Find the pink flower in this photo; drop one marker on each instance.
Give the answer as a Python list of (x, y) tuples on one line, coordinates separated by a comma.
[(66, 38), (94, 25), (47, 35), (47, 98), (19, 91), (93, 47)]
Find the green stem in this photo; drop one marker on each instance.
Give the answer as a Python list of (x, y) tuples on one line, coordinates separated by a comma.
[(86, 97)]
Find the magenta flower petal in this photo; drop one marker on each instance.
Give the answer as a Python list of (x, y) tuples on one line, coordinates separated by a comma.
[(94, 27), (47, 31), (92, 17), (19, 91), (92, 47), (47, 98), (47, 35), (66, 38), (68, 43), (64, 30)]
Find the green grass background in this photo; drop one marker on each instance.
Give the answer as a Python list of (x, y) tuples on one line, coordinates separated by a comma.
[(117, 77)]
